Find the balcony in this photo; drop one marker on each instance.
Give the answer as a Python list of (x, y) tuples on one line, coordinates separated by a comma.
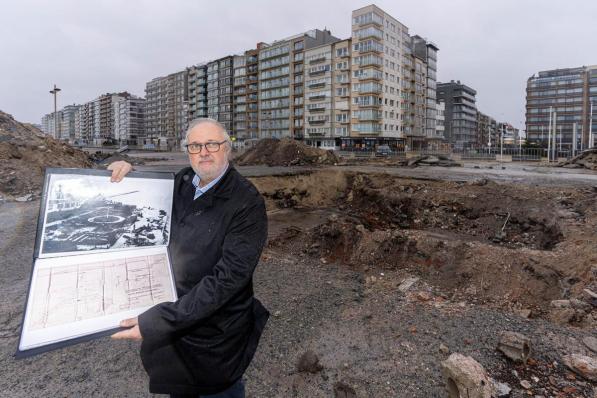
[(317, 108), (317, 60)]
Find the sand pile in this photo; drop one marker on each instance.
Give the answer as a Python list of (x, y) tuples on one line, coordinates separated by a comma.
[(24, 154), (285, 152)]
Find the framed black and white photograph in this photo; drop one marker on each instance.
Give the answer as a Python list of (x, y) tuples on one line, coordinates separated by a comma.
[(101, 256), (83, 211)]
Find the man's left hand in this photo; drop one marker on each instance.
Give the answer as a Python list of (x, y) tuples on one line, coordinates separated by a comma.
[(134, 333)]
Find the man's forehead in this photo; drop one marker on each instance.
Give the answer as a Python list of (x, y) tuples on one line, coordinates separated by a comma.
[(206, 132)]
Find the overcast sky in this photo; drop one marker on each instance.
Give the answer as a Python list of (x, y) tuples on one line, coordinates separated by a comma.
[(89, 48)]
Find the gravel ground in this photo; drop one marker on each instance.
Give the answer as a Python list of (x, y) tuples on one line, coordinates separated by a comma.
[(368, 336)]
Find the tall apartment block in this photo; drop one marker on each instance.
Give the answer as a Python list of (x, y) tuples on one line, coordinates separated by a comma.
[(425, 81), (252, 92), (197, 84), (239, 96), (461, 113), (281, 90), (48, 124), (129, 121), (568, 93), (327, 94), (166, 110)]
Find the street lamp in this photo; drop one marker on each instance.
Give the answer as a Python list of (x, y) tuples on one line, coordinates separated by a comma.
[(55, 92)]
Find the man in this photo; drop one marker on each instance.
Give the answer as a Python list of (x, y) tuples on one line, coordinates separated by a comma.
[(202, 344)]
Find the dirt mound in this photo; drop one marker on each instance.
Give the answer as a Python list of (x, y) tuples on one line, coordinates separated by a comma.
[(587, 160), (285, 152), (500, 245), (24, 154)]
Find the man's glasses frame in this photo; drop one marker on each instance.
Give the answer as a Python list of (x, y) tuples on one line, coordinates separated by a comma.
[(210, 147)]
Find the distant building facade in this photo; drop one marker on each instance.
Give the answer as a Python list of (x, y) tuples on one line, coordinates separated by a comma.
[(460, 115), (166, 110), (568, 94)]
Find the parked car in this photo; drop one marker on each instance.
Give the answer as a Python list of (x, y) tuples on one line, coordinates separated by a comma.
[(383, 150)]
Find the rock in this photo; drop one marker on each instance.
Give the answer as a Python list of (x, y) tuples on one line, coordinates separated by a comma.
[(444, 349), (465, 377), (25, 198), (308, 362), (515, 346), (525, 313), (590, 342), (424, 296), (407, 283), (526, 384), (502, 390), (343, 390), (582, 365), (561, 316)]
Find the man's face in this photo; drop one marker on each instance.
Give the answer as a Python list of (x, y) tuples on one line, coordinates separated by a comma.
[(208, 165)]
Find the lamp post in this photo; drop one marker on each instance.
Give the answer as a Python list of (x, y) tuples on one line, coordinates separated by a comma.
[(55, 92)]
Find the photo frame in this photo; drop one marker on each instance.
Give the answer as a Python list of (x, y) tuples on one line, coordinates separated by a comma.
[(100, 256)]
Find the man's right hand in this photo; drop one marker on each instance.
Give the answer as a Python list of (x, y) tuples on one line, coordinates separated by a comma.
[(119, 170)]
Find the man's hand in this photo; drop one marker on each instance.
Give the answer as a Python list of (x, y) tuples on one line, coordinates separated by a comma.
[(119, 170), (132, 334)]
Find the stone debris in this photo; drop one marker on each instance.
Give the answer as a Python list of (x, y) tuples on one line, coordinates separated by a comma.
[(465, 377), (590, 342), (407, 283), (587, 159), (502, 390), (526, 384), (582, 365), (515, 346)]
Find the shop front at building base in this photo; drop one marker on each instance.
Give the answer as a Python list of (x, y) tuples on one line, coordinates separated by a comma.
[(371, 143)]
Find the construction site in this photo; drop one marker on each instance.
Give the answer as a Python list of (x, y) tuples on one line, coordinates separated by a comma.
[(411, 276)]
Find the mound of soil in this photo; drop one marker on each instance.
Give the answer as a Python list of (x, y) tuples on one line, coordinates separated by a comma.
[(587, 160), (512, 247), (24, 154), (285, 152)]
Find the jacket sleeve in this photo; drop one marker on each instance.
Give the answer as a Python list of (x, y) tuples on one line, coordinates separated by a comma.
[(241, 250)]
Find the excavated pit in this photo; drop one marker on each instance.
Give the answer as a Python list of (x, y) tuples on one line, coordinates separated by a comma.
[(488, 243)]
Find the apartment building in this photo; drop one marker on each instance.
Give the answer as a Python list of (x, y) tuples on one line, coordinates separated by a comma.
[(567, 95), (129, 121), (67, 126), (436, 140), (49, 126), (166, 110), (327, 94), (425, 56), (197, 84), (281, 89), (461, 113), (252, 93), (239, 97), (488, 134)]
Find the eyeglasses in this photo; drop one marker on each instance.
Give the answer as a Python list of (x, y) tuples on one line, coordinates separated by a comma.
[(209, 147)]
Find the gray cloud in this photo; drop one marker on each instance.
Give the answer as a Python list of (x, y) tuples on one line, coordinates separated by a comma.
[(89, 48)]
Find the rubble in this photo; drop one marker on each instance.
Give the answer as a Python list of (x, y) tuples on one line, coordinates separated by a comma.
[(515, 346), (465, 377), (587, 159), (432, 160), (582, 365), (591, 343), (285, 152), (24, 154)]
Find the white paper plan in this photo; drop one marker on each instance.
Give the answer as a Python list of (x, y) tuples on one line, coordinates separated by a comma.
[(74, 296)]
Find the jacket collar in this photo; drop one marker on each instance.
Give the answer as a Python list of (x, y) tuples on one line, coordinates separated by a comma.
[(223, 189)]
